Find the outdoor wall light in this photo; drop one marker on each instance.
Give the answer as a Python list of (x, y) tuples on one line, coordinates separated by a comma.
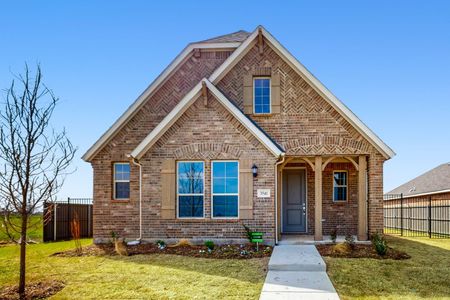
[(254, 170)]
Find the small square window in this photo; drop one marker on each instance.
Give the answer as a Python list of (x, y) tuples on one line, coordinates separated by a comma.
[(261, 95)]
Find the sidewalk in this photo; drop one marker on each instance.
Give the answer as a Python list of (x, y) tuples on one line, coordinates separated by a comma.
[(297, 272)]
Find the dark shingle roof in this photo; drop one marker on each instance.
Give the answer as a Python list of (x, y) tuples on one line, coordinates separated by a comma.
[(437, 179), (238, 36)]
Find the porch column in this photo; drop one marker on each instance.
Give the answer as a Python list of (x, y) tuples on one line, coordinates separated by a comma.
[(318, 199), (362, 198)]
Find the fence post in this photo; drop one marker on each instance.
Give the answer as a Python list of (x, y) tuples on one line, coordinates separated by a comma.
[(429, 217), (401, 214), (68, 218)]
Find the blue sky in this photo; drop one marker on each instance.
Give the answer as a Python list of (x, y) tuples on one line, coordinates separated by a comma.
[(388, 61)]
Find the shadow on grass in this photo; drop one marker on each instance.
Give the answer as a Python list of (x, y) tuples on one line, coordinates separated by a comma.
[(426, 274)]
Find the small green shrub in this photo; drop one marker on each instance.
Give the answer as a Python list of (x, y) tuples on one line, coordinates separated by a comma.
[(210, 245), (334, 235), (380, 244), (248, 232), (350, 240), (161, 244)]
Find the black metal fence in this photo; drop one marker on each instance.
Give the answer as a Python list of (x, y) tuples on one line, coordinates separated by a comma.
[(417, 216), (59, 214)]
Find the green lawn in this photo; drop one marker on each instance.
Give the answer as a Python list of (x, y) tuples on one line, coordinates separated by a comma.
[(136, 277), (425, 275), (34, 233)]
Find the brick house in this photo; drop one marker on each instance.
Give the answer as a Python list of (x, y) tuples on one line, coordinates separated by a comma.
[(236, 131)]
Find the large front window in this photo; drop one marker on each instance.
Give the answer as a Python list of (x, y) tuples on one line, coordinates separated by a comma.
[(339, 186), (225, 186), (190, 189), (261, 95)]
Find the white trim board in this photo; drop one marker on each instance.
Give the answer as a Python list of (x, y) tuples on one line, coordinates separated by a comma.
[(306, 75), (134, 107), (184, 104)]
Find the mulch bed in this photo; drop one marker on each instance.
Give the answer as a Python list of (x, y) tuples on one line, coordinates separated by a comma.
[(34, 290), (361, 251), (245, 251)]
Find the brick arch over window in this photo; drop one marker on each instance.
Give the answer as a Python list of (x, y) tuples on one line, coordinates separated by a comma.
[(327, 145), (207, 151)]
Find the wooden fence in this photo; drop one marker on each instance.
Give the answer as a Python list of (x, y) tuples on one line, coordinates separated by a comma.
[(59, 214)]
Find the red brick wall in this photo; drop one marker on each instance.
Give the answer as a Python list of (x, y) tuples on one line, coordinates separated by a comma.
[(307, 125), (221, 137)]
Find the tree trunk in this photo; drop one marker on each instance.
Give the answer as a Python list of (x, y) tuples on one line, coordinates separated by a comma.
[(23, 248)]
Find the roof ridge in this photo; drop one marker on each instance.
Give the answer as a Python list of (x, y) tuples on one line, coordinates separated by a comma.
[(237, 36)]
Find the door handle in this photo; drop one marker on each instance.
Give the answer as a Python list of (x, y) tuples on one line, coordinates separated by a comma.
[(304, 208)]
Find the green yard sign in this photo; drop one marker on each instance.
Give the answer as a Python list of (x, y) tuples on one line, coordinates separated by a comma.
[(257, 237)]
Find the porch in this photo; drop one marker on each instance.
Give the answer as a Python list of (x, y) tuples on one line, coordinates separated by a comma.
[(321, 196)]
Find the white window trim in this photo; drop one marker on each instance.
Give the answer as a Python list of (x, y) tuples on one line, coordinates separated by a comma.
[(203, 194), (346, 186), (114, 181), (270, 94), (223, 194)]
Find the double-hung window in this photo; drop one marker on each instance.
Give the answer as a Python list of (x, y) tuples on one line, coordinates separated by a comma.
[(225, 189), (340, 186), (261, 95), (190, 178), (121, 181)]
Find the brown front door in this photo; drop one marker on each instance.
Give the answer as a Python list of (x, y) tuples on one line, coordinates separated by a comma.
[(294, 201)]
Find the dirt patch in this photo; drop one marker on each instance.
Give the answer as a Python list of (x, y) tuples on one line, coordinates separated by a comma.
[(359, 251), (34, 290), (226, 251)]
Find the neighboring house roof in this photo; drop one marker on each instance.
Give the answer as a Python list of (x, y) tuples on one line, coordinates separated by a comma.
[(434, 181), (186, 102), (242, 49), (238, 36)]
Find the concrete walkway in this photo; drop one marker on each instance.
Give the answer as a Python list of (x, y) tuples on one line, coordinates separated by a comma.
[(297, 272)]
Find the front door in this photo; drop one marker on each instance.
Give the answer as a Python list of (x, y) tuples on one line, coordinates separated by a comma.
[(294, 201)]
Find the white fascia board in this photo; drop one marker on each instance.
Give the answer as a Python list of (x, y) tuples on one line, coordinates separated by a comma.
[(237, 113), (314, 82), (133, 108), (168, 121)]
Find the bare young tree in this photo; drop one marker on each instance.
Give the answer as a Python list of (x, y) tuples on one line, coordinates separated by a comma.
[(34, 158)]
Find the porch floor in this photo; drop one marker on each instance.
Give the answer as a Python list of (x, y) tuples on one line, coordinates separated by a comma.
[(302, 239)]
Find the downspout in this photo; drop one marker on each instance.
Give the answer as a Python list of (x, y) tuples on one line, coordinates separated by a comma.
[(136, 163), (282, 156)]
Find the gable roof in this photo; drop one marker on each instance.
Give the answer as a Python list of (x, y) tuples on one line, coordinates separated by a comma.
[(232, 60), (238, 36), (186, 102), (151, 89), (231, 41), (434, 181)]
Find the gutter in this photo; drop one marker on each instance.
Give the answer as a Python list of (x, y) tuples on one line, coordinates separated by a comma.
[(282, 156)]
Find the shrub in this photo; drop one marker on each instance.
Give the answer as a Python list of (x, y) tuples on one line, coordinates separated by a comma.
[(161, 244), (209, 245), (248, 232), (380, 244), (350, 240), (334, 235)]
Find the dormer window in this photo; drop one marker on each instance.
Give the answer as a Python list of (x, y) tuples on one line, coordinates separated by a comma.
[(261, 95)]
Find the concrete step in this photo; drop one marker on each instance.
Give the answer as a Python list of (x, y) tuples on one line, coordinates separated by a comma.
[(304, 258), (297, 285)]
